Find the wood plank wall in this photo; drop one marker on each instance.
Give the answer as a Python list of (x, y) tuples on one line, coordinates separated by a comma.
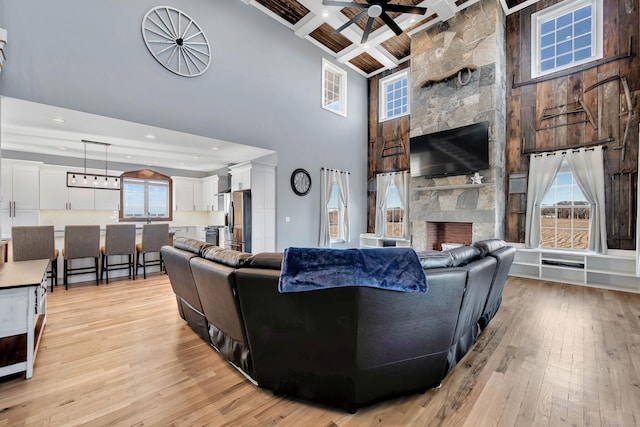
[(607, 103), (388, 149)]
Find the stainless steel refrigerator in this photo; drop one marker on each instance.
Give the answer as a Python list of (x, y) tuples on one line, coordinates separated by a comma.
[(240, 221)]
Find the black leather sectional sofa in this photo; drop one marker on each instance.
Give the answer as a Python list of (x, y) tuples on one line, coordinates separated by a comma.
[(345, 347)]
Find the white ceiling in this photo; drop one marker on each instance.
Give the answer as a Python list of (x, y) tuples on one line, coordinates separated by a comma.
[(30, 127)]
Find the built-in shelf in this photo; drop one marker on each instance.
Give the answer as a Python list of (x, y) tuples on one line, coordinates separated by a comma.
[(369, 240), (449, 187), (616, 270)]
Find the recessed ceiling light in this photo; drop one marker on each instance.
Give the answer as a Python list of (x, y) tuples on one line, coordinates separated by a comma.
[(325, 14), (215, 148), (149, 136), (412, 20), (62, 148), (196, 157), (128, 156), (58, 119)]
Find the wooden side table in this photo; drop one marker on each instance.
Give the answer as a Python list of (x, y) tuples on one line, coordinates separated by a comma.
[(23, 314)]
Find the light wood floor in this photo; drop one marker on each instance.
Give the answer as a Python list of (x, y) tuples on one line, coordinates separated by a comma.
[(119, 354)]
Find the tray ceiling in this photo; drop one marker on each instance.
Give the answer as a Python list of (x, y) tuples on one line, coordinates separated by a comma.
[(384, 50)]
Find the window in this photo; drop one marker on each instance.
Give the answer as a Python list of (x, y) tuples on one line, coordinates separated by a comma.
[(334, 207), (145, 195), (566, 35), (391, 199), (394, 96), (334, 88), (395, 214), (333, 211), (565, 213)]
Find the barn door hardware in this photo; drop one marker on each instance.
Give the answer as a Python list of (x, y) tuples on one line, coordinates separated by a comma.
[(627, 94), (578, 107)]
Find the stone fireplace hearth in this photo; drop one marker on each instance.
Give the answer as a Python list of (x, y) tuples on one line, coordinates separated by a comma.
[(473, 36)]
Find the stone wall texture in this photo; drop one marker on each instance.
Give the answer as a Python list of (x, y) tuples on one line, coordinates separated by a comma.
[(474, 36)]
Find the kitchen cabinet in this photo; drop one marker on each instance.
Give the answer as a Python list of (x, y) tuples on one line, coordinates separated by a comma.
[(261, 179), (240, 176), (19, 201), (54, 193), (187, 194), (209, 193)]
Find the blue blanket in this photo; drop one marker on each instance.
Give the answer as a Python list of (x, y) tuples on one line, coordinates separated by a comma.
[(307, 269)]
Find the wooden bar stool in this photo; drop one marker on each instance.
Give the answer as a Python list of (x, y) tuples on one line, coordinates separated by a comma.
[(36, 242), (80, 241), (119, 239), (154, 237)]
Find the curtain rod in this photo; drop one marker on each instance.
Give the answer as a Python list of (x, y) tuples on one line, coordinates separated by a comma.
[(570, 147), (336, 170)]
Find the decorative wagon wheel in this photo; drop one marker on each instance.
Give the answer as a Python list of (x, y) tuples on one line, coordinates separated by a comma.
[(176, 41)]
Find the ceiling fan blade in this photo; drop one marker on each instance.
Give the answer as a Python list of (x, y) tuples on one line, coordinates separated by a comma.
[(344, 4), (391, 23), (350, 21), (405, 9), (367, 30)]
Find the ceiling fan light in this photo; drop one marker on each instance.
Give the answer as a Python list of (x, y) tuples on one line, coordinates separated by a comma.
[(374, 11)]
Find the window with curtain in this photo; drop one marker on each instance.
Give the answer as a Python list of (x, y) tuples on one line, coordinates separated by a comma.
[(145, 195), (334, 207), (550, 215), (565, 213), (391, 200)]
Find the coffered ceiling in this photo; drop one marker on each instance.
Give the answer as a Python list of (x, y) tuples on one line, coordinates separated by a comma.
[(311, 20)]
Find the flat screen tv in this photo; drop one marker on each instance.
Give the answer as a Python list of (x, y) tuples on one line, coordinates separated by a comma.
[(458, 151)]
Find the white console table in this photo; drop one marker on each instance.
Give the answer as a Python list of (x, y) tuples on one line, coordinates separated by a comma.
[(370, 240), (23, 314)]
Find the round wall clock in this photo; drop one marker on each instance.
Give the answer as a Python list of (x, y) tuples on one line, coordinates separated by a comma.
[(300, 182), (176, 41)]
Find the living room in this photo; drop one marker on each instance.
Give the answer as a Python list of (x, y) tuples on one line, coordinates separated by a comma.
[(264, 89)]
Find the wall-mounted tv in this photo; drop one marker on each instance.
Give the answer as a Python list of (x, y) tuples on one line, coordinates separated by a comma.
[(458, 151)]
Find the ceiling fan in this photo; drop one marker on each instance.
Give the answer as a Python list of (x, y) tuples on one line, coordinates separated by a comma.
[(375, 9)]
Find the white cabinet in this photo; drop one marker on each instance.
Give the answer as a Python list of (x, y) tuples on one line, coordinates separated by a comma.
[(241, 176), (209, 193), (107, 200), (19, 201), (55, 195), (187, 194), (261, 179), (370, 240), (615, 270)]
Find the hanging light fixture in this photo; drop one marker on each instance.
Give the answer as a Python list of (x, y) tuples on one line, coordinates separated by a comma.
[(92, 180)]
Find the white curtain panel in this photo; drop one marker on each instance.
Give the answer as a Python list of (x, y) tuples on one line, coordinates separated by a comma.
[(342, 179), (383, 183), (401, 180), (326, 185), (587, 166), (542, 170), (328, 177)]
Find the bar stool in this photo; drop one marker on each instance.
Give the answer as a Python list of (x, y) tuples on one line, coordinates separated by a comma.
[(80, 241), (36, 242), (154, 237), (119, 239)]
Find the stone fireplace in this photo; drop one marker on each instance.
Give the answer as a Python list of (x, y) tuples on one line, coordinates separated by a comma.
[(473, 39)]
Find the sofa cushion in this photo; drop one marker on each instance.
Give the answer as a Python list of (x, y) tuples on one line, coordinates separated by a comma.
[(190, 245), (227, 257), (489, 245), (271, 260), (463, 255), (435, 259)]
